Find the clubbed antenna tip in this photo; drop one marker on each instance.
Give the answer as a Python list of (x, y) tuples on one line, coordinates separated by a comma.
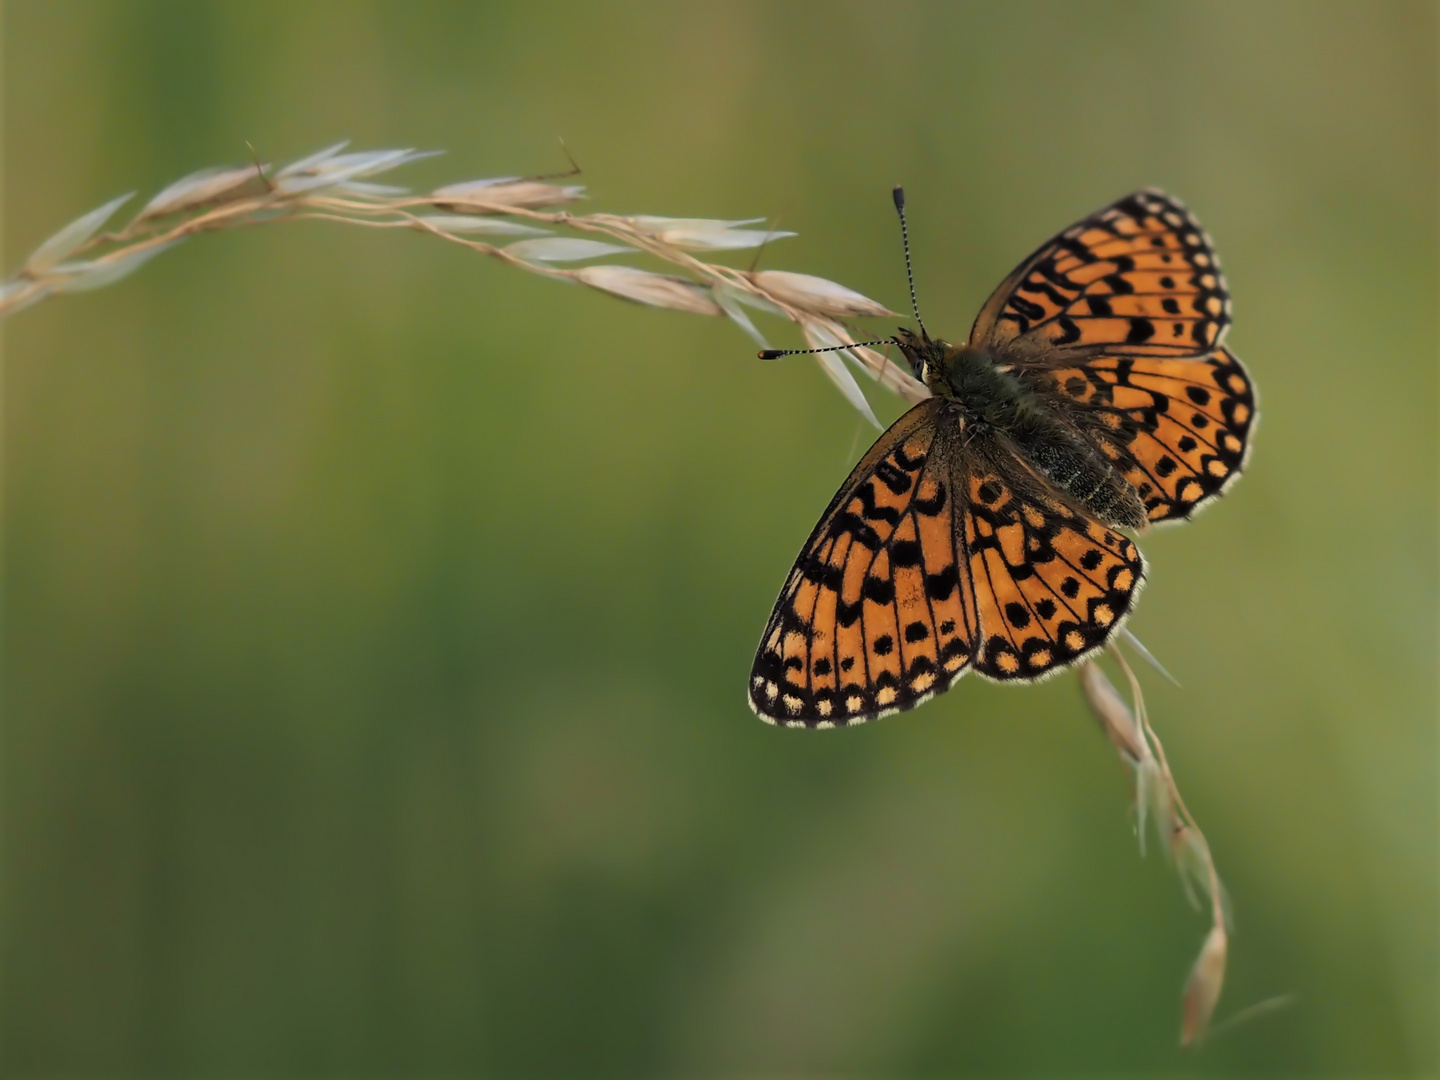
[(771, 354), (899, 195)]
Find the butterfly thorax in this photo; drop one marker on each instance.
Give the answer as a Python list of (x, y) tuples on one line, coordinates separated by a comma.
[(990, 397)]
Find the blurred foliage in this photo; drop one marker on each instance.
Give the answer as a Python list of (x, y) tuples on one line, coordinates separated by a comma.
[(377, 619)]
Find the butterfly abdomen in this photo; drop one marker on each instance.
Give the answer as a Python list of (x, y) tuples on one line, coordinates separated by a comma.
[(1075, 469)]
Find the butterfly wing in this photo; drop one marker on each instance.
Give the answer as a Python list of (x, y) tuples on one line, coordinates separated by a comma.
[(1050, 583), (1177, 430), (876, 615), (1138, 278)]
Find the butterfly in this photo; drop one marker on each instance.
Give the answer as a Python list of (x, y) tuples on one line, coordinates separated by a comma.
[(981, 531)]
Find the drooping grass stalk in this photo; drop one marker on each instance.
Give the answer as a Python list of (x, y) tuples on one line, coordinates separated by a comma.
[(1158, 797), (331, 186)]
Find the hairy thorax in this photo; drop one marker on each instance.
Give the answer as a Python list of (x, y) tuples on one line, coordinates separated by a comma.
[(989, 396)]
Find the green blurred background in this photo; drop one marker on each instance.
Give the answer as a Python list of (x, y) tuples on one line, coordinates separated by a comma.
[(377, 618)]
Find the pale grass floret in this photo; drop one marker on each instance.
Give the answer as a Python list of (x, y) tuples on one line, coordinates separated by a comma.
[(648, 287), (20, 294), (734, 302), (97, 273), (306, 164), (820, 295), (504, 195), (71, 238), (1202, 989), (330, 169), (705, 234), (823, 334), (564, 249), (464, 224), (200, 188), (334, 185)]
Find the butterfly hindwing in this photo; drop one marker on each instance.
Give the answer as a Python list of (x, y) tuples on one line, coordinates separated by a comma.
[(1137, 278), (876, 615), (1051, 584), (1178, 430)]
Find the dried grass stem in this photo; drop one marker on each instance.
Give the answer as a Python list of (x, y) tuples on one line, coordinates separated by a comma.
[(328, 186)]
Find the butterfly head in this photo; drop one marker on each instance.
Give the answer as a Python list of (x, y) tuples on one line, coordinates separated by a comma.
[(929, 359)]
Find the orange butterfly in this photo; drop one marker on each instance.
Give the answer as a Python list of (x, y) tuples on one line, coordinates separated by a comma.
[(979, 532)]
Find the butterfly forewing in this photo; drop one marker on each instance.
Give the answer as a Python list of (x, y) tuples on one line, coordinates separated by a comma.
[(1138, 277), (874, 616)]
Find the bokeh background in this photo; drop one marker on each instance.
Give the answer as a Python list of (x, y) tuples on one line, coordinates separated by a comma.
[(377, 618)]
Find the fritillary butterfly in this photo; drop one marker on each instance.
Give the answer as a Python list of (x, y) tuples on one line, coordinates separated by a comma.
[(980, 531)]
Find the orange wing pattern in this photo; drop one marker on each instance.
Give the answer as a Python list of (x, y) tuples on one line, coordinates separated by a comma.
[(1138, 278), (876, 615), (1178, 430), (1051, 584)]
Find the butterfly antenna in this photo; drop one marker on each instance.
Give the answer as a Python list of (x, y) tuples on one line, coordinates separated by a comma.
[(775, 354), (899, 194)]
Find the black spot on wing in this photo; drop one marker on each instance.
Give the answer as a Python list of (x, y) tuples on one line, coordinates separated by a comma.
[(874, 512), (933, 505), (895, 479), (1141, 331), (879, 590), (905, 553), (940, 585)]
